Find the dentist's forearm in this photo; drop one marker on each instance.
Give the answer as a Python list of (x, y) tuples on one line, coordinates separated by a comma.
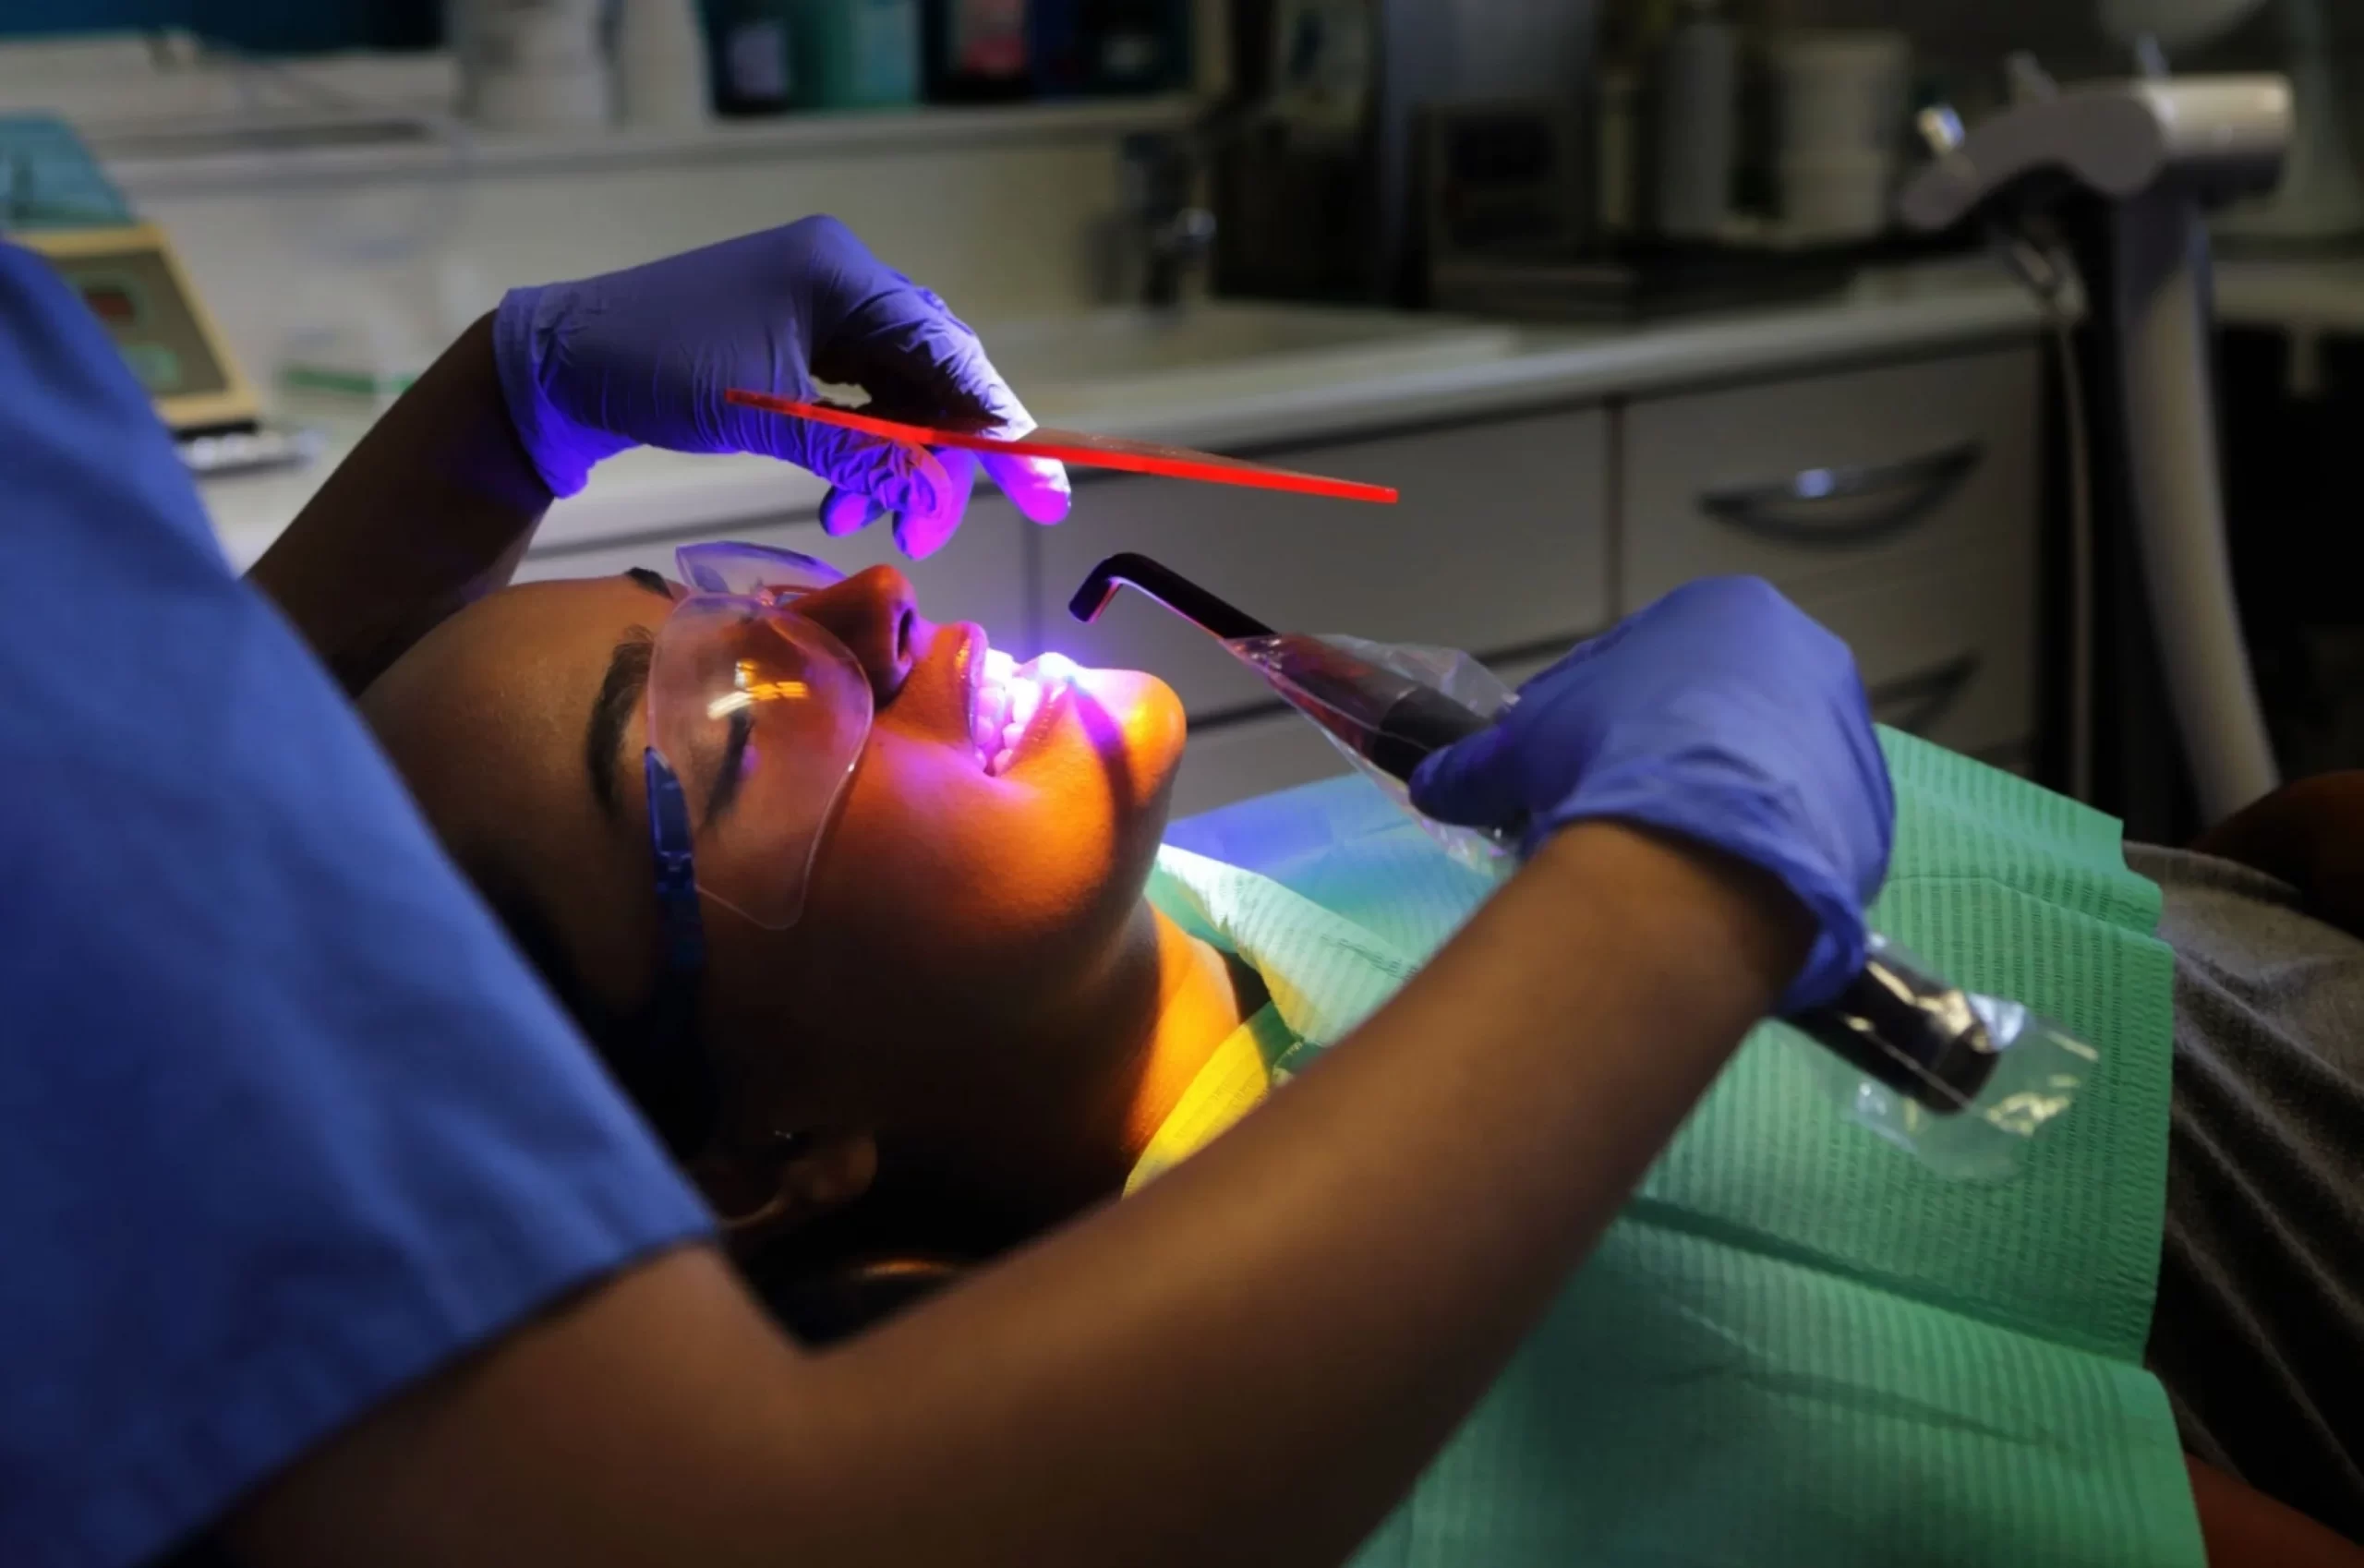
[(1252, 1360), (432, 509), (1246, 1364)]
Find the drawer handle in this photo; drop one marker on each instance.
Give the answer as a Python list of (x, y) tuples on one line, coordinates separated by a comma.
[(1926, 697), (1919, 484)]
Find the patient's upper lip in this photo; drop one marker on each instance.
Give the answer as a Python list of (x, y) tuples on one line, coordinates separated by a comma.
[(972, 670), (974, 648)]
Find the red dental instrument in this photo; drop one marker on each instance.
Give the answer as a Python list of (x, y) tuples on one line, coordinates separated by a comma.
[(1081, 448)]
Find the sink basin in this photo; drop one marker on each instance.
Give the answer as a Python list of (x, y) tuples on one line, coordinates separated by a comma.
[(1113, 360)]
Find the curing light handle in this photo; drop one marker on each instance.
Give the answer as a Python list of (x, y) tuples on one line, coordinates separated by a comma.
[(1897, 1024)]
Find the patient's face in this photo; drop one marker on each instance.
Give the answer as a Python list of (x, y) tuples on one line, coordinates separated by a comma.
[(958, 906)]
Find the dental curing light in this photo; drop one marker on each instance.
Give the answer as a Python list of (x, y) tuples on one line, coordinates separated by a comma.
[(2128, 168), (1895, 1024)]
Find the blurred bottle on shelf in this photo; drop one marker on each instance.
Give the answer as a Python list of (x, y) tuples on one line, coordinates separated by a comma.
[(661, 63), (1697, 126), (857, 54), (1106, 47), (530, 65), (752, 46), (977, 51)]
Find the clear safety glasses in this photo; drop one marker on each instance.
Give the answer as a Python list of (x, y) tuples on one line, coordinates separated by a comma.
[(756, 717)]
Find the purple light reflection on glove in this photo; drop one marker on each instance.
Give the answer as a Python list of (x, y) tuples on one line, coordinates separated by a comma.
[(644, 356), (1722, 714)]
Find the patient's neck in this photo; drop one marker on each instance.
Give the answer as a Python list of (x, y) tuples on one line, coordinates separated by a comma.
[(1203, 996), (1167, 1003)]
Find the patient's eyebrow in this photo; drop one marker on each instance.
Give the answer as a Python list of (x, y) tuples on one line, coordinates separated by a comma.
[(619, 692)]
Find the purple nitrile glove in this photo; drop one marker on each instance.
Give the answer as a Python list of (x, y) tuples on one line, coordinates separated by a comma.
[(644, 357), (1720, 713)]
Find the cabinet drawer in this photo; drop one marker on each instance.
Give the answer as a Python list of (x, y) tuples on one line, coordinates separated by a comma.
[(1795, 480), (980, 576), (1947, 650), (1497, 542)]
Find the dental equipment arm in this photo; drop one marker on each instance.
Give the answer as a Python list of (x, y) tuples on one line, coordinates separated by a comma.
[(1115, 1393), (2146, 158), (432, 510)]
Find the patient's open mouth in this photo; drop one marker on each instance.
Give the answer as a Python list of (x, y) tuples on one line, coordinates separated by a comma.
[(1004, 697)]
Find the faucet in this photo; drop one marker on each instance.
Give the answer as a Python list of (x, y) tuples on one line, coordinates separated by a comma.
[(1167, 233)]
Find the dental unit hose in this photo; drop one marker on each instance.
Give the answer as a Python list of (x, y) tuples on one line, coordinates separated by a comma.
[(1927, 1050)]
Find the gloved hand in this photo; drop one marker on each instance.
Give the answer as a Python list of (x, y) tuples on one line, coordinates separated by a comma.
[(1722, 714), (644, 356)]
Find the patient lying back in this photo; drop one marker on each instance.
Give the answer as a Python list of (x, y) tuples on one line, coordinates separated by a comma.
[(979, 1025)]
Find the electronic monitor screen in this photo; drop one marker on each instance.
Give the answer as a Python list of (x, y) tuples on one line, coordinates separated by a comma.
[(111, 303), (135, 294)]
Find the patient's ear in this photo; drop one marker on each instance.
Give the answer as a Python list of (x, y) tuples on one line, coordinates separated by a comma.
[(760, 1195)]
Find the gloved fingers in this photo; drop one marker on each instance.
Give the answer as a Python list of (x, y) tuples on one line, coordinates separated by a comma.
[(1471, 783), (899, 475), (901, 344), (847, 511), (915, 358), (1036, 485), (966, 387), (922, 531), (1583, 653)]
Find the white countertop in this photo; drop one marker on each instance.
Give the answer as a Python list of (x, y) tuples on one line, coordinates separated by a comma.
[(1885, 313)]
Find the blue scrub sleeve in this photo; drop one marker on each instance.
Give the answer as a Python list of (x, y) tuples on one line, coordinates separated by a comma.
[(284, 1123)]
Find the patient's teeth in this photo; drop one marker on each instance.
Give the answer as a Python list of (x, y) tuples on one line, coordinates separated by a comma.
[(1024, 698), (1048, 669), (1008, 697)]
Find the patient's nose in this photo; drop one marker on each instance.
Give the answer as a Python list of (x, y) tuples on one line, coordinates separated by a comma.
[(874, 614)]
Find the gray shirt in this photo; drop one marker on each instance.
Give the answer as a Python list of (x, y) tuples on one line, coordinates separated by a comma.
[(2258, 1333)]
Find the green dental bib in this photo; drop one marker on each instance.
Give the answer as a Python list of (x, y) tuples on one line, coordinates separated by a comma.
[(1797, 1344)]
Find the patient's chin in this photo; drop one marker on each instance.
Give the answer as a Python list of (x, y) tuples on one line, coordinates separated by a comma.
[(1138, 730)]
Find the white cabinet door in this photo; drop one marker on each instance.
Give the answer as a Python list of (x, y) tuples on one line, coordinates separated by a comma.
[(1797, 481), (1498, 543), (980, 576), (1947, 648)]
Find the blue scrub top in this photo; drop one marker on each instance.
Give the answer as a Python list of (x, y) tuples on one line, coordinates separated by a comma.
[(284, 1123)]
